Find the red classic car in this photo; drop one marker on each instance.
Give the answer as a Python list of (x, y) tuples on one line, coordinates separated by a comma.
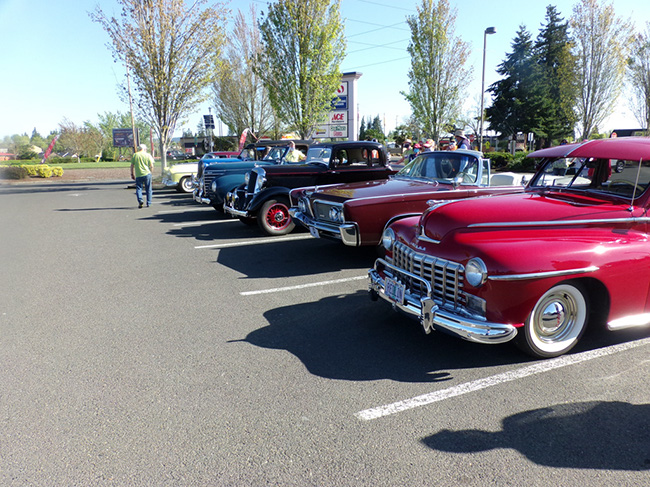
[(356, 213), (537, 266)]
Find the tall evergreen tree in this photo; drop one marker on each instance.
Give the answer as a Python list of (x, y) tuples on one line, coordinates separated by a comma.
[(558, 74), (518, 100)]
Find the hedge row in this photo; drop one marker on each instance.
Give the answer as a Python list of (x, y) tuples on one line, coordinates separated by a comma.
[(27, 170)]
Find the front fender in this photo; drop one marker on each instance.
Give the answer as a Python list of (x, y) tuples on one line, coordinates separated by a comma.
[(263, 196)]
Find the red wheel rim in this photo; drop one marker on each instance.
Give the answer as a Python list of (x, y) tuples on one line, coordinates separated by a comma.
[(277, 216)]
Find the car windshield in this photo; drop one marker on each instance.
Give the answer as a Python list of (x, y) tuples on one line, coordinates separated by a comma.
[(319, 155), (274, 154), (442, 166), (614, 176)]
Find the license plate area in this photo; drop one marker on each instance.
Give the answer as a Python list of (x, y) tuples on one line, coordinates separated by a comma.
[(395, 290)]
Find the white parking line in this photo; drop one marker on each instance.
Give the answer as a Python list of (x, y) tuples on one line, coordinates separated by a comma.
[(253, 242), (494, 380), (301, 286), (204, 222)]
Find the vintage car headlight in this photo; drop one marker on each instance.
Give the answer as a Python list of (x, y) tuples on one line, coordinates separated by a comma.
[(260, 181), (214, 186), (247, 178), (336, 214), (388, 239), (475, 272)]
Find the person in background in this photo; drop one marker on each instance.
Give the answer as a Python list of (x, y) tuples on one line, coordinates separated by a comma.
[(141, 169), (462, 142), (416, 152), (408, 150), (429, 146), (452, 145), (293, 154)]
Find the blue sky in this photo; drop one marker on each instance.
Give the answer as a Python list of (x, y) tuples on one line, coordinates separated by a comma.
[(55, 63)]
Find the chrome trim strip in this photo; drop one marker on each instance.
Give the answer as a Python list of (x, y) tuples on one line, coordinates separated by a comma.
[(538, 275), (629, 322), (559, 222), (424, 238), (433, 317)]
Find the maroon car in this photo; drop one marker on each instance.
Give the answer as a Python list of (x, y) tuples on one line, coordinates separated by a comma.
[(356, 213)]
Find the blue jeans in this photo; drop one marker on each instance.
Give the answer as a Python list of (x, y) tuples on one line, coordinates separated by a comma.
[(146, 181)]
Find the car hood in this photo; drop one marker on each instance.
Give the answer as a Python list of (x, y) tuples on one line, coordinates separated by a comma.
[(383, 187), (234, 164), (524, 210)]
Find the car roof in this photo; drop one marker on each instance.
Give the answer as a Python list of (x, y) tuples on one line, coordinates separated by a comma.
[(349, 143), (628, 148)]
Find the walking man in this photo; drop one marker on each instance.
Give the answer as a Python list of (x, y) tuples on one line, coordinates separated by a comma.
[(141, 169)]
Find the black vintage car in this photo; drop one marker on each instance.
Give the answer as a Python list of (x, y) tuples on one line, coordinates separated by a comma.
[(265, 195), (216, 177)]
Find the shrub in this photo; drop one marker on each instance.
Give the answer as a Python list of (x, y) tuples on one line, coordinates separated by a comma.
[(32, 170), (57, 171), (44, 171), (13, 172)]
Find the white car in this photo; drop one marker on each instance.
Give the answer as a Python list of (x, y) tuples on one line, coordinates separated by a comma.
[(179, 176)]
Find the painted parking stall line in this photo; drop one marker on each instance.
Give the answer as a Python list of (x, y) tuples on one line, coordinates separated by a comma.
[(205, 222), (258, 241), (477, 385), (302, 286)]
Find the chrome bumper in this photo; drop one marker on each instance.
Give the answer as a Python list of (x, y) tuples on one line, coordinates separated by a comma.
[(432, 317), (198, 197), (348, 233), (231, 198), (169, 182)]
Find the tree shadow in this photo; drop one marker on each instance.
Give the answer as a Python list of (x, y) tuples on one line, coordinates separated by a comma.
[(589, 435), (349, 337), (56, 187)]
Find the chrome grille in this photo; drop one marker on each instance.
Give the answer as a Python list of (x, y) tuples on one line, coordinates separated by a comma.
[(321, 210), (207, 184), (446, 277)]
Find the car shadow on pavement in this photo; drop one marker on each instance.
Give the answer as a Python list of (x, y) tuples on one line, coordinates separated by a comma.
[(359, 340), (305, 257), (608, 435)]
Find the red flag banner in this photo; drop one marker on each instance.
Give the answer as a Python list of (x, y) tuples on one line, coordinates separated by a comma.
[(242, 139), (48, 151)]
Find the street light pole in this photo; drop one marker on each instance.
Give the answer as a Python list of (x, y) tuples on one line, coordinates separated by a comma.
[(489, 30)]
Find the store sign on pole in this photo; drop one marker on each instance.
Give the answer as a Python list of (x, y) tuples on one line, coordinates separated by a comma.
[(208, 121)]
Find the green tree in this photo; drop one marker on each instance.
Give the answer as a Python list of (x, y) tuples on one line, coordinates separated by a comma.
[(438, 76), (362, 129), (303, 49), (240, 96), (558, 74), (600, 46), (37, 139), (639, 75), (518, 98), (171, 48)]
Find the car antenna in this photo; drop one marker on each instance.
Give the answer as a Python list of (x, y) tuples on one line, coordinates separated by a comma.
[(636, 185)]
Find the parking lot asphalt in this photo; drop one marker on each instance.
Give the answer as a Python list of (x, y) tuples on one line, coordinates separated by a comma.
[(174, 346)]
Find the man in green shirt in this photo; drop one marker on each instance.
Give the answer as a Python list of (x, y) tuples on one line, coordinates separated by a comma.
[(141, 169)]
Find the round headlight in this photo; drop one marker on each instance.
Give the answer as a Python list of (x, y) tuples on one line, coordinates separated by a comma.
[(214, 186), (335, 214), (475, 272), (388, 239)]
